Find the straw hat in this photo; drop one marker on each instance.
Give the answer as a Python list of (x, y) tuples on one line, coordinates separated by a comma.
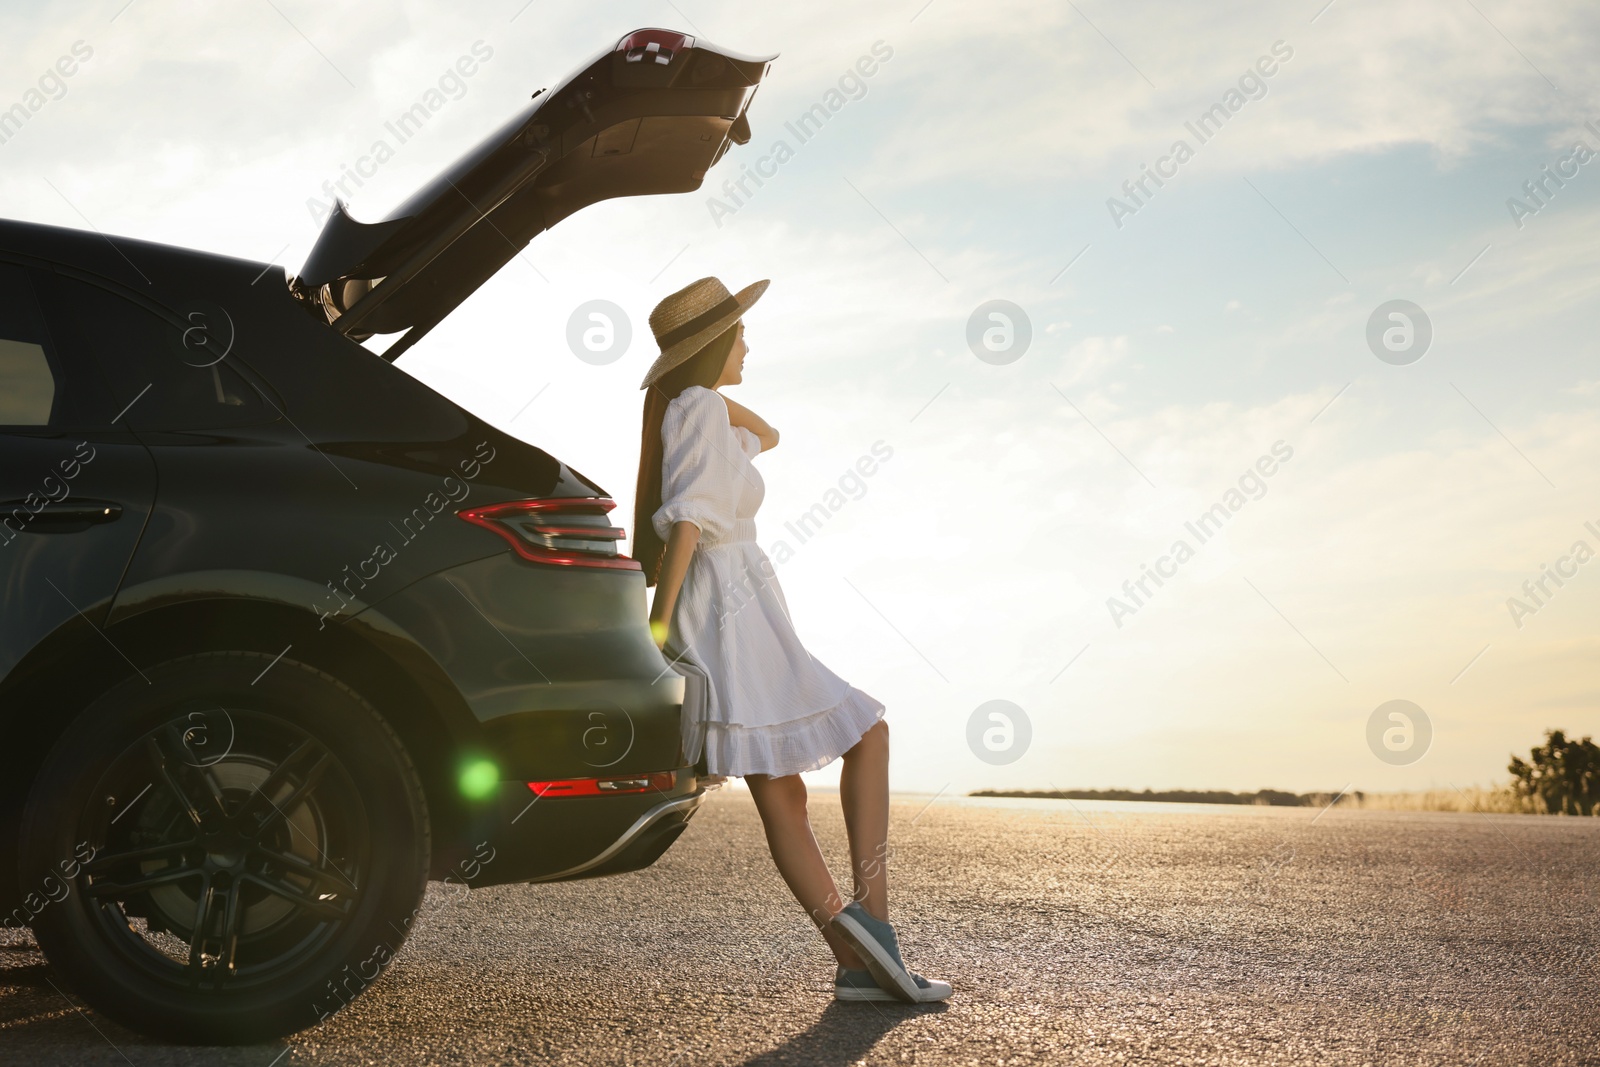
[(689, 319)]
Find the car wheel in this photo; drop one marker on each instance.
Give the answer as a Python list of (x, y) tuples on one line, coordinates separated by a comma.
[(226, 849)]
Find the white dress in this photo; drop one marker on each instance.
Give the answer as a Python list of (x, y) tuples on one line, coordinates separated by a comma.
[(771, 707)]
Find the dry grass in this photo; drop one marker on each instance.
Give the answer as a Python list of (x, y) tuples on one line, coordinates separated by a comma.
[(1496, 799)]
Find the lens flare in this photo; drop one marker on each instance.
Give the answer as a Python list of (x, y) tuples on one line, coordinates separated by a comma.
[(479, 779)]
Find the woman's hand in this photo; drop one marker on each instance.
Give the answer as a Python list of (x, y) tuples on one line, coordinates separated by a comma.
[(681, 542), (739, 415)]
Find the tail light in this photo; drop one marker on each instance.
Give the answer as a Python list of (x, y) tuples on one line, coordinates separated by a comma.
[(660, 781), (565, 531), (653, 46)]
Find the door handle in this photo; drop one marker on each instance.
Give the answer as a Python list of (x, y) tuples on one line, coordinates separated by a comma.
[(66, 512)]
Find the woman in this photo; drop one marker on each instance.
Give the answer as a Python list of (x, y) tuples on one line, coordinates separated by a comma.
[(772, 710)]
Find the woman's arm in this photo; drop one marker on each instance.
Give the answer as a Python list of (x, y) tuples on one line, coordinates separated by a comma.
[(739, 415), (681, 542)]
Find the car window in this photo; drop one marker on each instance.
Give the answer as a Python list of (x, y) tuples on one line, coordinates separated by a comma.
[(161, 375), (27, 381), (27, 385)]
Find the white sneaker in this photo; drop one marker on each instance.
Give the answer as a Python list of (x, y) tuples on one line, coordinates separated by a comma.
[(851, 984)]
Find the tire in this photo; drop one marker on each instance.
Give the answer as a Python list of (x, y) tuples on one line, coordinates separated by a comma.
[(264, 805)]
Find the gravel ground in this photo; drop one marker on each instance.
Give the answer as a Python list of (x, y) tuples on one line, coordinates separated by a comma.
[(1073, 933)]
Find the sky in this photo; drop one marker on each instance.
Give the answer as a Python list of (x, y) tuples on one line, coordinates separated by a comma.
[(1184, 339)]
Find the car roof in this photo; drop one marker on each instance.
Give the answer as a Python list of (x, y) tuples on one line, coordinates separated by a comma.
[(169, 274)]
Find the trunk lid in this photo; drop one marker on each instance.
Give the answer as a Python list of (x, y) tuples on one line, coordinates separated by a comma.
[(650, 115)]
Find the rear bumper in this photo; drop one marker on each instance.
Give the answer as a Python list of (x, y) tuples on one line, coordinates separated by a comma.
[(640, 844), (554, 839), (563, 681)]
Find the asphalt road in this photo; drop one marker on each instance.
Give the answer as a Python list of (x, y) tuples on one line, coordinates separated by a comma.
[(1073, 933)]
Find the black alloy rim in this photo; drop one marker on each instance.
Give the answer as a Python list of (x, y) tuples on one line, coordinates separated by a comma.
[(230, 847)]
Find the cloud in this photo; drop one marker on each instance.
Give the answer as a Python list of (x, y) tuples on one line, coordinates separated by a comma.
[(1437, 76), (1090, 359)]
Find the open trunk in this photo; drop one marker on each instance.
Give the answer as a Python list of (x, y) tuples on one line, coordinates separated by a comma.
[(650, 115)]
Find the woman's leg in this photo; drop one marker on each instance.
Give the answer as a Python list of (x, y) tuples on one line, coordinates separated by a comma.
[(782, 804), (864, 792)]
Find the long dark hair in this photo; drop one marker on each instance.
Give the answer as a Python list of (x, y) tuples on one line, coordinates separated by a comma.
[(702, 368)]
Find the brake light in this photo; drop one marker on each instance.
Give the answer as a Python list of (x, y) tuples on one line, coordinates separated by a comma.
[(563, 531), (660, 781), (653, 46)]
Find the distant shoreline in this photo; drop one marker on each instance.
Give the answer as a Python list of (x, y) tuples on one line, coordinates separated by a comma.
[(1264, 797), (1496, 799)]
